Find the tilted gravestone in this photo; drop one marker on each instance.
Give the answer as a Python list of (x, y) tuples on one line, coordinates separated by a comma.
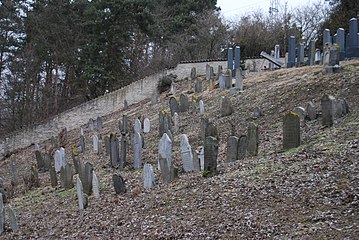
[(114, 151), (242, 147), (198, 86), (86, 177), (165, 149), (311, 111), (13, 220), (146, 125), (174, 107), (328, 110), (66, 175), (186, 154), (39, 161), (176, 122), (201, 107), (99, 123), (291, 131), (119, 184), (232, 149), (2, 215), (226, 108), (137, 150), (138, 126), (53, 177), (148, 176), (253, 139), (210, 155), (193, 73), (184, 105), (95, 186), (80, 195), (90, 125)]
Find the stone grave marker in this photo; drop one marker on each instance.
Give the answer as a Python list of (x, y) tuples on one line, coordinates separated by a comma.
[(95, 186), (66, 175), (232, 149), (196, 164), (13, 220), (219, 71), (165, 169), (107, 145), (154, 97), (62, 157), (210, 155), (119, 184), (174, 107), (81, 131), (221, 81), (2, 215), (173, 88), (186, 154), (124, 147), (291, 130), (226, 108), (239, 79), (114, 151), (184, 104), (253, 139), (90, 125), (176, 122), (227, 78), (137, 150), (193, 73), (95, 144), (99, 123), (138, 126), (58, 161), (328, 110), (40, 161), (208, 72), (341, 107), (242, 147), (201, 107), (148, 176), (86, 177), (208, 128), (165, 149), (146, 125), (125, 104), (311, 111), (14, 174), (300, 111), (82, 143), (80, 196), (211, 73), (76, 162), (47, 162), (53, 177), (198, 86)]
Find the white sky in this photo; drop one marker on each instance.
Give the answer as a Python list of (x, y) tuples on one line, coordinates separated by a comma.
[(233, 8)]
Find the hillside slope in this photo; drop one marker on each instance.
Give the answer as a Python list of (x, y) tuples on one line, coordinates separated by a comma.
[(310, 192)]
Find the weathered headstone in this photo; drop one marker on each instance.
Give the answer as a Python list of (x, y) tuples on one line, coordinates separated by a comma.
[(186, 154), (184, 105), (95, 144), (208, 128), (201, 107), (198, 86), (174, 107), (193, 73), (291, 52), (107, 145), (173, 88), (300, 111), (239, 80), (14, 174), (165, 169), (124, 147), (119, 184), (53, 177), (291, 130), (165, 149), (221, 81), (227, 78), (66, 175), (114, 151), (230, 59), (148, 176), (39, 161), (90, 125), (311, 53), (253, 139), (232, 149), (2, 215), (237, 58), (137, 150), (76, 162), (125, 104), (99, 123), (226, 108), (146, 125), (311, 111), (138, 126), (242, 147), (176, 122), (208, 72), (58, 161), (80, 196), (341, 107), (13, 220), (210, 155), (82, 143), (219, 71), (328, 110), (95, 186)]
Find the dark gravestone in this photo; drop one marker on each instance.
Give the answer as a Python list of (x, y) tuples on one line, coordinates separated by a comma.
[(119, 184), (341, 107), (198, 86), (164, 122), (107, 145), (210, 155), (165, 169), (232, 149), (193, 73), (99, 123), (125, 104), (226, 108), (242, 147), (328, 110), (124, 147), (53, 177), (174, 107), (86, 177), (208, 128), (39, 161), (125, 124), (66, 175), (13, 220), (311, 111), (291, 130), (291, 52), (114, 151), (82, 143), (77, 163), (184, 105), (47, 162), (253, 139)]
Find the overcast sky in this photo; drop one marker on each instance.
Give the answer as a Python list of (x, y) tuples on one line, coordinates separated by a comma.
[(232, 8)]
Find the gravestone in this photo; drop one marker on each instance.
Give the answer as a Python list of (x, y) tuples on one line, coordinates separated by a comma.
[(211, 73), (99, 123), (257, 112), (146, 125), (230, 58), (95, 186), (300, 54), (124, 147), (81, 131), (341, 108), (242, 147), (95, 144), (200, 154), (198, 86), (253, 139), (154, 97), (239, 80), (162, 119), (173, 88), (208, 128), (176, 122), (193, 73), (90, 125), (148, 176), (2, 215), (210, 155), (311, 54), (174, 107), (352, 39), (107, 145), (14, 174), (138, 126), (125, 104), (212, 85), (13, 220), (221, 82), (40, 161), (291, 130), (119, 184), (227, 78), (80, 196), (186, 154), (311, 111), (291, 52), (86, 177), (53, 177), (201, 107), (196, 164), (82, 143), (165, 149), (226, 108), (219, 71), (208, 72), (114, 151), (237, 58), (58, 160), (66, 175), (328, 110), (137, 150), (184, 105), (326, 37), (76, 162), (232, 149), (300, 111), (340, 40)]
